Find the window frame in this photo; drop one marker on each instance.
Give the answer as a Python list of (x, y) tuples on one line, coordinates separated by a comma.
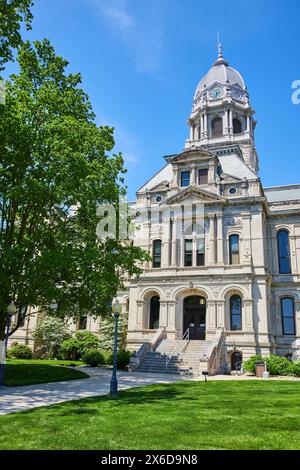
[(199, 177), (231, 252), (183, 179), (285, 316), (154, 255), (240, 314), (188, 252), (279, 257)]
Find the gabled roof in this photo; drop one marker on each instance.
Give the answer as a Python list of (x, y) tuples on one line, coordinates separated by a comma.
[(194, 191)]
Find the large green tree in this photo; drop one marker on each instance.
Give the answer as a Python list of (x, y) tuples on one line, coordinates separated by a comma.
[(56, 166), (13, 13)]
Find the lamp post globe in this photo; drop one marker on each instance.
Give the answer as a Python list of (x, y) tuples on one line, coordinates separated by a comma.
[(116, 309), (11, 309)]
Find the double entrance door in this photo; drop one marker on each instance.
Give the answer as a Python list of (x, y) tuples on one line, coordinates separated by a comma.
[(194, 314)]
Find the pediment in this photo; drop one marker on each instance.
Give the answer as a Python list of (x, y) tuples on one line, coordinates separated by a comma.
[(194, 194), (192, 155), (226, 178), (163, 186)]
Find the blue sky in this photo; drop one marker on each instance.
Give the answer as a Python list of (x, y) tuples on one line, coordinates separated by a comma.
[(141, 62)]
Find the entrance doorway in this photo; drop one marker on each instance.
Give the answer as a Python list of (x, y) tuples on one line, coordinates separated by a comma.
[(194, 313)]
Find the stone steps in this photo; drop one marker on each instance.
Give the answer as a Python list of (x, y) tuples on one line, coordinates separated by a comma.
[(185, 362)]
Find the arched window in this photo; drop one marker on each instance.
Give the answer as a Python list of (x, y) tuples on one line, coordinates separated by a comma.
[(154, 312), (288, 316), (237, 126), (234, 251), (236, 361), (156, 259), (283, 252), (235, 313), (217, 127)]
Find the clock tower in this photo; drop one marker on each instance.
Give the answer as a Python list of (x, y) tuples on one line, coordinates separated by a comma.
[(221, 120)]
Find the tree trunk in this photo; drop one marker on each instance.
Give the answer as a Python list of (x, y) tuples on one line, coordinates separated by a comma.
[(2, 325)]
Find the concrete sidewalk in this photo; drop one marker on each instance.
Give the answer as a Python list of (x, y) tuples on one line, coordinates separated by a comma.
[(13, 399)]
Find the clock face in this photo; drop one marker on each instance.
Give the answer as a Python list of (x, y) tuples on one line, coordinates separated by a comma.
[(236, 94), (216, 93)]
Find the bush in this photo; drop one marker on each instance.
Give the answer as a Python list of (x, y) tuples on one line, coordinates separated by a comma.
[(20, 351), (122, 359), (249, 366), (76, 347), (70, 349), (93, 357), (278, 365), (294, 368)]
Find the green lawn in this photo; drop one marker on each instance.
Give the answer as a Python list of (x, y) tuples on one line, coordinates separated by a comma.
[(193, 415), (28, 372)]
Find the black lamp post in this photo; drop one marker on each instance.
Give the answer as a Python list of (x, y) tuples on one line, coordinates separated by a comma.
[(116, 308), (11, 311)]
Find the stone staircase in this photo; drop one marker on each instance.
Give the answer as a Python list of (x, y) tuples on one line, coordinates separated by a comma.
[(189, 357)]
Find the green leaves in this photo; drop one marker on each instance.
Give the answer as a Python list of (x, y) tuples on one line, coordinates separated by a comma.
[(56, 166), (12, 14)]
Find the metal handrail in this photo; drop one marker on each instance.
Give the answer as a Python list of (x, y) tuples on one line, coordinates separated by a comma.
[(176, 349)]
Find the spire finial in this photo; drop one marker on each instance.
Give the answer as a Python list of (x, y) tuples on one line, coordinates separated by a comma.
[(219, 44), (220, 60)]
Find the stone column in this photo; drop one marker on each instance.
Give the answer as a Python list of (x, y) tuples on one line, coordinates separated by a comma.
[(220, 240), (230, 129), (193, 174), (174, 244), (140, 314), (221, 314), (163, 315), (247, 251), (211, 172), (171, 315), (205, 130), (182, 251), (211, 240), (247, 318), (211, 315)]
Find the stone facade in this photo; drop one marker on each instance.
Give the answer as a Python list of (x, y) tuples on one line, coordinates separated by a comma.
[(226, 250)]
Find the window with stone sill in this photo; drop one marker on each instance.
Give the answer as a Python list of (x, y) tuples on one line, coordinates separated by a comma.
[(235, 313), (283, 246), (184, 179), (288, 316), (156, 255), (234, 250), (203, 176)]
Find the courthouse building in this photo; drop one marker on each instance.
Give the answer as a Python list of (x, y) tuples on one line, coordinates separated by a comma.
[(226, 286)]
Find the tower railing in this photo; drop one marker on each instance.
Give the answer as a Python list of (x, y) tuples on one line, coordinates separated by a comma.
[(179, 346)]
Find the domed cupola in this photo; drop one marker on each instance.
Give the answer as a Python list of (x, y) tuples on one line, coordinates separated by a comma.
[(221, 111), (220, 81)]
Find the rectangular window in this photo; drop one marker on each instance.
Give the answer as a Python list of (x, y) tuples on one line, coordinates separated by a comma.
[(234, 256), (185, 178), (288, 316), (188, 253), (203, 176), (200, 258), (156, 260)]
